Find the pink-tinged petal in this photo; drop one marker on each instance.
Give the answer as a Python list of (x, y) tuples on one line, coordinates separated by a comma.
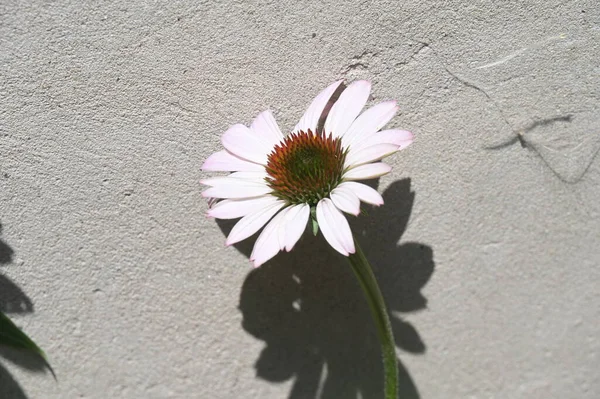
[(281, 230), (233, 209), (401, 138), (369, 122), (236, 177), (345, 200), (363, 192), (310, 119), (235, 188), (369, 154), (258, 176), (265, 126), (368, 171), (346, 109), (269, 241), (240, 141), (224, 161), (334, 227), (295, 224), (252, 222)]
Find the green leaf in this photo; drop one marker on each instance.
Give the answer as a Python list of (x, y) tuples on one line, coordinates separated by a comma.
[(11, 335)]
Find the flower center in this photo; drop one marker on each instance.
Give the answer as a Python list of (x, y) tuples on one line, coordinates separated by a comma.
[(305, 167)]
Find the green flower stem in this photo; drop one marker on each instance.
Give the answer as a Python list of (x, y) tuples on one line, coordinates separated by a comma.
[(366, 278)]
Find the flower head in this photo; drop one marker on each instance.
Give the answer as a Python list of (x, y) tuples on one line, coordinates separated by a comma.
[(277, 179)]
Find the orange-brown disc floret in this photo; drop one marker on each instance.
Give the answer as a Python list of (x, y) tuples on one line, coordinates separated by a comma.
[(305, 167)]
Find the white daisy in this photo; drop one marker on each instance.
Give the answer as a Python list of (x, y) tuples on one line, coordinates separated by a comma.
[(282, 180)]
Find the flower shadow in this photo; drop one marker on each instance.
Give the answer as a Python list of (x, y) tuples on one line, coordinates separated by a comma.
[(308, 308)]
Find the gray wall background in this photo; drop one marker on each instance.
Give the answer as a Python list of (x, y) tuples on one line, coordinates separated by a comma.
[(487, 248)]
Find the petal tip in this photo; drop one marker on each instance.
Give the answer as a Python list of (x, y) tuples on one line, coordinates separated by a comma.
[(410, 136), (393, 104), (205, 165), (409, 140), (363, 84), (256, 262)]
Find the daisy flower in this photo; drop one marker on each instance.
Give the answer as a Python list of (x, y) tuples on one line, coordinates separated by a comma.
[(282, 181)]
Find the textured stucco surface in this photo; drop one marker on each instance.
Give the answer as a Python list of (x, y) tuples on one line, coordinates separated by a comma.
[(488, 247)]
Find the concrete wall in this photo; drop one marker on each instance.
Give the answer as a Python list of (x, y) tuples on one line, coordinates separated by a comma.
[(487, 248)]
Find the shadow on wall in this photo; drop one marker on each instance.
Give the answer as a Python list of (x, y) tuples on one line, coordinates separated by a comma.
[(14, 300), (12, 297), (9, 388), (308, 308)]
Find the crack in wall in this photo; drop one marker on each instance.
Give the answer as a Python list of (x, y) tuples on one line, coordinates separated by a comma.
[(519, 134), (466, 82), (359, 62), (556, 160)]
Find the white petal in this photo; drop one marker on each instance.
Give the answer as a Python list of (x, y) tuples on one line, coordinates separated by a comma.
[(236, 177), (224, 161), (368, 171), (369, 154), (310, 119), (345, 200), (268, 243), (363, 192), (401, 138), (265, 126), (240, 141), (281, 230), (252, 222), (233, 209), (295, 224), (256, 176), (347, 107), (334, 227), (369, 122), (234, 188)]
